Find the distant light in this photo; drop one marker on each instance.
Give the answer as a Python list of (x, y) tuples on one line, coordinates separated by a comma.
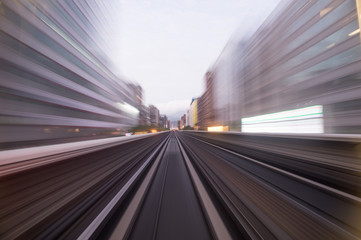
[(324, 11), (331, 45), (139, 98), (302, 120), (354, 32), (218, 129), (153, 130), (76, 130), (138, 133)]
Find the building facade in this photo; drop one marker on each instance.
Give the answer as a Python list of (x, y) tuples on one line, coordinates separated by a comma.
[(193, 112), (55, 78), (306, 55), (154, 115), (184, 121), (136, 94), (163, 122), (206, 114), (144, 115)]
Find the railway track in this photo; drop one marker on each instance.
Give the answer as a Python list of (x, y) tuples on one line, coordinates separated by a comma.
[(61, 199), (172, 185), (170, 203), (269, 202), (144, 189)]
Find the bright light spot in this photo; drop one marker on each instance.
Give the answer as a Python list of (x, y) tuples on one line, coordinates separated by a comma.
[(354, 32), (128, 108), (153, 130), (139, 98), (331, 45), (302, 120), (138, 133), (323, 12), (218, 129)]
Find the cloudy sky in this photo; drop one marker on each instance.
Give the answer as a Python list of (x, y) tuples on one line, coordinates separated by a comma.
[(167, 46)]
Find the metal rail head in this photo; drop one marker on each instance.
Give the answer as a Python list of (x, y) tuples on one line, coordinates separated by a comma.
[(125, 223), (215, 221)]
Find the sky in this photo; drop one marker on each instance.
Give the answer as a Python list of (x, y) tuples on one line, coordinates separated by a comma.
[(167, 46)]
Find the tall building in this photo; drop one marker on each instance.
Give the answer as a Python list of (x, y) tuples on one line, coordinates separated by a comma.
[(225, 84), (184, 121), (305, 59), (193, 112), (163, 121), (55, 78), (179, 124), (154, 115), (206, 104), (136, 94), (144, 115), (201, 111)]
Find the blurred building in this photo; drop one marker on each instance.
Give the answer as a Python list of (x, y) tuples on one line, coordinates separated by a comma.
[(163, 122), (136, 94), (193, 112), (54, 76), (299, 72), (144, 115), (201, 111), (206, 104), (184, 121), (179, 124), (154, 115)]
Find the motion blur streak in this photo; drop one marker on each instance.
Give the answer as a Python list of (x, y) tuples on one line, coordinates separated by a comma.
[(299, 72), (218, 129), (304, 120), (306, 53), (257, 186), (60, 198), (279, 187), (55, 81)]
